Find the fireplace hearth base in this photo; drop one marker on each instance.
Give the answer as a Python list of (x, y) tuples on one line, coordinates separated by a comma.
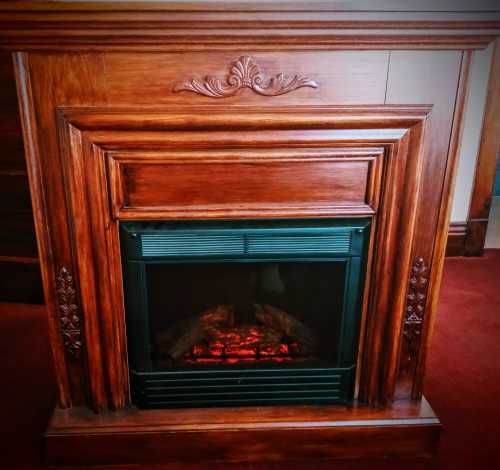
[(77, 435)]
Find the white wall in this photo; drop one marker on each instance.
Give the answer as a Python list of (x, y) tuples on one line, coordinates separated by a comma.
[(493, 232), (473, 122)]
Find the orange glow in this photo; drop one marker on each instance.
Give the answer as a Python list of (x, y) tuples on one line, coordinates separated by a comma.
[(243, 344)]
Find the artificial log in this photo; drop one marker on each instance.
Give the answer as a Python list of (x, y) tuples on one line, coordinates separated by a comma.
[(213, 336), (178, 340), (290, 327), (245, 342)]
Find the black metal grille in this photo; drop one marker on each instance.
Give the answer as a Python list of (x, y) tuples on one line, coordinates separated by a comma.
[(189, 244), (156, 254), (237, 387)]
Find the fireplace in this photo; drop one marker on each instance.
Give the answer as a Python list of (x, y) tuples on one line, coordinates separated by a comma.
[(243, 312), (250, 217)]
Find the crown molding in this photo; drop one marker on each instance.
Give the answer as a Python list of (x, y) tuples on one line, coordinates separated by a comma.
[(182, 26)]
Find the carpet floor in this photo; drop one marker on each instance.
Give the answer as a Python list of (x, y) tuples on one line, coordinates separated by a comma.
[(462, 384)]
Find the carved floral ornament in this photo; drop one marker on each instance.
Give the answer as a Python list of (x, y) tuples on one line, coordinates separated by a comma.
[(245, 73), (415, 306), (69, 315)]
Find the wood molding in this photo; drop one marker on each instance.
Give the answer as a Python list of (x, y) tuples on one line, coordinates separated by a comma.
[(19, 259), (89, 136), (265, 170), (457, 234), (486, 165), (193, 26)]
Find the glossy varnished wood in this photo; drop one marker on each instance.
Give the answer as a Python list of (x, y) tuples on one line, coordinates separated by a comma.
[(434, 274), (90, 136), (111, 135), (347, 78), (224, 25), (244, 182), (118, 128), (428, 75), (49, 206), (263, 433)]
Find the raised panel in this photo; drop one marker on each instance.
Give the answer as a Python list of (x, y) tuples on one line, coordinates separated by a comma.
[(261, 182)]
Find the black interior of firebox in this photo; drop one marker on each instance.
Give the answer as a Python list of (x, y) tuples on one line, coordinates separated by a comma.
[(284, 301)]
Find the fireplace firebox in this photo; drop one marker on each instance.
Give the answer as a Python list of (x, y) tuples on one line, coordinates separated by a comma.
[(243, 312)]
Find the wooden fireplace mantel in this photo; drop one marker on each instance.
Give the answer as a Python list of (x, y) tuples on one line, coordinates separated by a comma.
[(216, 111)]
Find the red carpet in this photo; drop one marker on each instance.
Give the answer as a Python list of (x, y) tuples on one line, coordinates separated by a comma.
[(463, 381)]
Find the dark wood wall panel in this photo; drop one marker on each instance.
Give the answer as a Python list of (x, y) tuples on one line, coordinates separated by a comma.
[(19, 270)]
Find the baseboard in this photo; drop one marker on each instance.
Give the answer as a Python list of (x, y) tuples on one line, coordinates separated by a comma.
[(457, 235)]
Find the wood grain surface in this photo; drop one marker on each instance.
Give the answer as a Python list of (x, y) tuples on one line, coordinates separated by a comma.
[(109, 136)]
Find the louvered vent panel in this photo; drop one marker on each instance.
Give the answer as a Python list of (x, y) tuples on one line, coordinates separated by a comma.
[(233, 387), (303, 244), (192, 244)]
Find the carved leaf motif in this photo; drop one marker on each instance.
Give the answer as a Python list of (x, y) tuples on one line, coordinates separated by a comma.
[(69, 315), (245, 73)]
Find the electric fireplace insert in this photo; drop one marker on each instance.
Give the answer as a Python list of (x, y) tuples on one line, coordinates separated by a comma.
[(243, 312)]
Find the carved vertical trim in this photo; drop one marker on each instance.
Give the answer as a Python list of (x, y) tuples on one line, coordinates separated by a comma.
[(69, 314), (414, 315)]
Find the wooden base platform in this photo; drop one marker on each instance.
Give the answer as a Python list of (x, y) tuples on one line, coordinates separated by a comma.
[(78, 436)]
